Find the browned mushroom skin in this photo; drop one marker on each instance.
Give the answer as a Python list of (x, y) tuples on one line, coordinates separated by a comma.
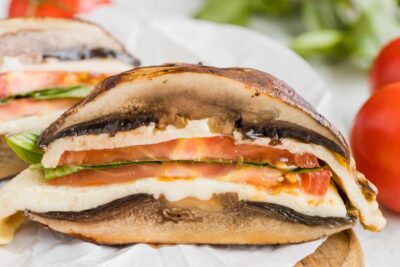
[(260, 83)]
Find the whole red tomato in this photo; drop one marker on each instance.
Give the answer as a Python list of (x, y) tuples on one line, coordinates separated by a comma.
[(386, 67), (375, 141), (52, 8)]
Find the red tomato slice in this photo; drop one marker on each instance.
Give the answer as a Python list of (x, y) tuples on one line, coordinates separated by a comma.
[(265, 176), (52, 8), (212, 148), (316, 182), (13, 83), (27, 107)]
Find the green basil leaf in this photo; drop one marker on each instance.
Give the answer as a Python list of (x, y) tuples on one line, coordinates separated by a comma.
[(51, 173), (25, 146), (61, 171), (55, 93)]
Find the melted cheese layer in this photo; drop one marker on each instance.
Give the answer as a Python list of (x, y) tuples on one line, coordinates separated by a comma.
[(29, 191)]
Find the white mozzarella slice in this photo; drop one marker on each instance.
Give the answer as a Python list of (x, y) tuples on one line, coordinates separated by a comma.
[(29, 191)]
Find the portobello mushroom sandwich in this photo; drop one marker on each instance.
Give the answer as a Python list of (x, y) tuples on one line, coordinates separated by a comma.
[(184, 153)]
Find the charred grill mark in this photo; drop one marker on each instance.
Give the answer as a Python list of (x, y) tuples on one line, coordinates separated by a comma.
[(130, 202), (239, 122), (111, 81)]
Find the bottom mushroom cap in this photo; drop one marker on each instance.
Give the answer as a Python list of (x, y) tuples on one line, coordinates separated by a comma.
[(223, 219)]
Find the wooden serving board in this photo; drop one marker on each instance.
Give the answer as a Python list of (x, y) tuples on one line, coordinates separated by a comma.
[(340, 250)]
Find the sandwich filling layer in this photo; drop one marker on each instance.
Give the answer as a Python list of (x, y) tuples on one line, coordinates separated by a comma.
[(18, 84), (38, 93), (193, 151)]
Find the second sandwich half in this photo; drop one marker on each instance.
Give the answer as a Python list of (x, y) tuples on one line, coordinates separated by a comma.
[(46, 66)]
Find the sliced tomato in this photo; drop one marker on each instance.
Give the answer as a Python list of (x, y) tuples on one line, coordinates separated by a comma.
[(13, 83), (211, 148), (265, 177), (316, 182), (305, 160), (27, 107)]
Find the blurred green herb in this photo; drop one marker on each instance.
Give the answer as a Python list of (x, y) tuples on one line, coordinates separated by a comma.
[(334, 29), (226, 11)]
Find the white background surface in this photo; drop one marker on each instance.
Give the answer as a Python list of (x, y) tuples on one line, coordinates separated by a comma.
[(348, 86)]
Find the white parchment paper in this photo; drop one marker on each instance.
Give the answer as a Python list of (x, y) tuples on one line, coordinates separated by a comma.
[(173, 39), (34, 246)]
